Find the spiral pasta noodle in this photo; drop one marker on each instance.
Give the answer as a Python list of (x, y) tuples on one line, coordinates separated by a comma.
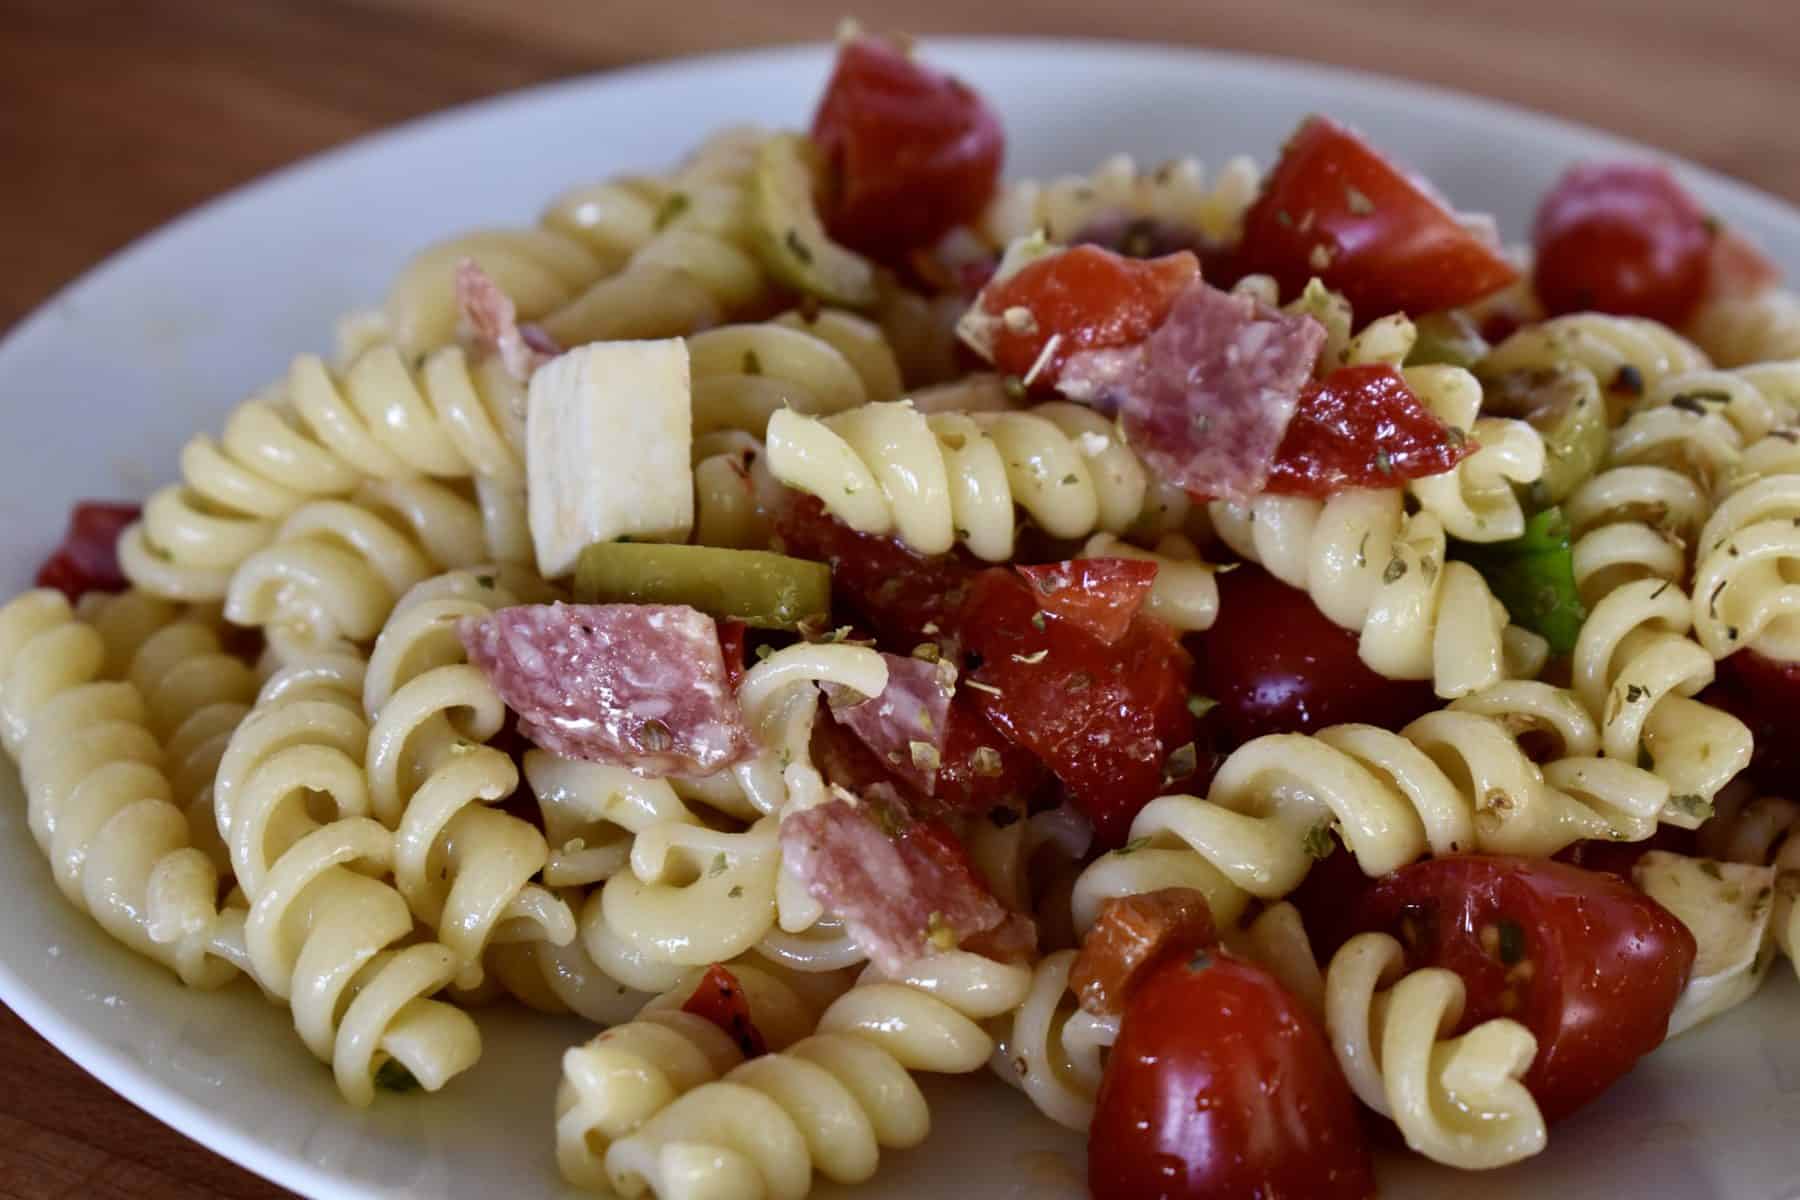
[(1178, 195), (324, 935), (464, 867), (1453, 781), (1383, 575), (831, 362), (1626, 354), (1051, 1050), (1747, 554), (98, 801), (947, 478), (829, 1102), (1752, 329), (1457, 1100), (319, 435)]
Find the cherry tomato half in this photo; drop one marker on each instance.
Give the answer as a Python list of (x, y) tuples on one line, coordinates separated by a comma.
[(1276, 664), (1361, 427), (1592, 966), (1221, 1084), (1765, 695), (1087, 298), (88, 559), (913, 151), (1620, 238), (1333, 207)]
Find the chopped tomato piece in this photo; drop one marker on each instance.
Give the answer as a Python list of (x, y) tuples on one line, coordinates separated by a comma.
[(1592, 966), (1621, 238), (1111, 722), (88, 559), (1101, 595), (1362, 428), (906, 598), (1222, 1084), (981, 769), (1086, 298), (1765, 695), (913, 152), (1276, 664), (1334, 207), (1130, 936), (720, 999)]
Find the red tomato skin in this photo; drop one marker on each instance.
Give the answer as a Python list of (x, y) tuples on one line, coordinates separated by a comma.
[(88, 559), (1276, 664), (721, 1000), (1333, 207), (1362, 427), (980, 769), (906, 598), (1620, 238), (1104, 719), (1607, 962), (1765, 695), (1089, 299), (732, 637), (1100, 595), (914, 151), (1222, 1085)]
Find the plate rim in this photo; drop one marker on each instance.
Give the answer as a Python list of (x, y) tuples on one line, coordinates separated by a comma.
[(137, 1084)]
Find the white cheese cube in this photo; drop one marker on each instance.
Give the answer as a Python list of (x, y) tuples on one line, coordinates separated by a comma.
[(608, 437), (1726, 907)]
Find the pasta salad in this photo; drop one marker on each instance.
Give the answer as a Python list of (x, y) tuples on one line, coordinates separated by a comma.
[(1244, 656)]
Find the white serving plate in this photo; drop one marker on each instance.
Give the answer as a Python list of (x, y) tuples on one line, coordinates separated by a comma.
[(103, 384)]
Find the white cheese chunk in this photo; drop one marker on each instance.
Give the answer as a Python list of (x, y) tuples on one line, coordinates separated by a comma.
[(608, 440), (1726, 907)]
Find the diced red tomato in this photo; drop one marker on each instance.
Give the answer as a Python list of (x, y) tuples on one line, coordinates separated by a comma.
[(1276, 664), (1222, 1084), (1334, 207), (1086, 298), (982, 770), (720, 999), (1362, 428), (1592, 966), (88, 559), (1100, 595), (1107, 720), (1130, 937), (906, 598), (1621, 237), (913, 152), (1765, 695)]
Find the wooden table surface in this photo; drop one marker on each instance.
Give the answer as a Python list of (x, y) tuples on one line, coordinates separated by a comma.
[(116, 116)]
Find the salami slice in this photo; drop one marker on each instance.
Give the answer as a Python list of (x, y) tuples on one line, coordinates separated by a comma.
[(634, 685), (904, 888), (491, 321), (1218, 384), (906, 724)]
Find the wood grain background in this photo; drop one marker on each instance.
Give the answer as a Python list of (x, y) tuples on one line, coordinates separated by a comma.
[(116, 115)]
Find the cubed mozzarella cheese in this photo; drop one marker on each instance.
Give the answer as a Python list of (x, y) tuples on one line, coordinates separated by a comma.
[(609, 434), (1726, 907)]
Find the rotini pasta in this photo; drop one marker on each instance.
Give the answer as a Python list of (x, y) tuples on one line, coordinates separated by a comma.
[(1382, 574), (98, 801), (1762, 831), (826, 1103), (948, 478), (1457, 1100), (319, 435), (1626, 354), (1175, 200), (1739, 331)]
